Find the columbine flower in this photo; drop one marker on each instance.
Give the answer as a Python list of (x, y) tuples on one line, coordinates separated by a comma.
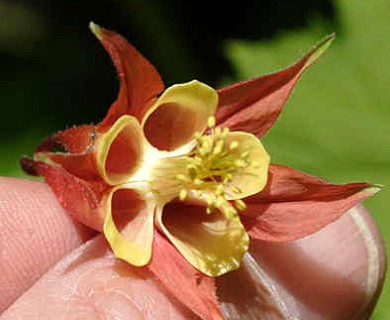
[(178, 180)]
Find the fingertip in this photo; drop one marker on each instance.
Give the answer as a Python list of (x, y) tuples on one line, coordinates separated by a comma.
[(36, 232), (336, 273)]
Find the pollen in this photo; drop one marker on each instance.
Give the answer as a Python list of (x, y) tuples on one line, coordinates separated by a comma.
[(233, 145), (210, 170), (183, 194), (211, 122)]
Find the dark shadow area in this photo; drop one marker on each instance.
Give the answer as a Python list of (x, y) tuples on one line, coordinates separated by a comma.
[(55, 74)]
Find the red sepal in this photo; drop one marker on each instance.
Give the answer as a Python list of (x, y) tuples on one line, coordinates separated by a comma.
[(254, 105), (73, 149), (140, 83), (295, 204), (81, 199), (192, 288), (80, 165), (76, 139)]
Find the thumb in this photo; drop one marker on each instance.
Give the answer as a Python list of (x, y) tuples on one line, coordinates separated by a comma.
[(336, 274)]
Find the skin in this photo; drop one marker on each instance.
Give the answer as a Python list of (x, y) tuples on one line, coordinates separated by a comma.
[(52, 267)]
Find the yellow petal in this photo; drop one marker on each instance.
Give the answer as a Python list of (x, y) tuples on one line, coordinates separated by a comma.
[(119, 150), (131, 234), (210, 242), (254, 177), (180, 112)]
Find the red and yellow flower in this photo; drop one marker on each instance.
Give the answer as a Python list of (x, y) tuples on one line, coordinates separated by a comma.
[(179, 181)]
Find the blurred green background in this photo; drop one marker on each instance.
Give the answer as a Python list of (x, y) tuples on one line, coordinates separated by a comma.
[(55, 74)]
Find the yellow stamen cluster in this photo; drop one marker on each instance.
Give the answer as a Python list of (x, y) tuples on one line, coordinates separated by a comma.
[(211, 168)]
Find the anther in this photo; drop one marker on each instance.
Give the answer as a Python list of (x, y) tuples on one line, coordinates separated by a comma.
[(183, 194), (197, 136), (211, 122), (219, 191), (218, 147), (197, 182), (219, 201), (225, 132), (203, 151), (233, 145), (240, 205), (228, 178), (210, 209), (240, 163), (210, 200), (229, 211)]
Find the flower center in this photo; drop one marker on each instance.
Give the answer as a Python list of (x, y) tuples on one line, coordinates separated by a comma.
[(207, 172)]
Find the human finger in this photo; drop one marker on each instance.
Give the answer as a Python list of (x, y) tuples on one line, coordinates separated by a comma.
[(91, 283), (336, 273), (35, 233)]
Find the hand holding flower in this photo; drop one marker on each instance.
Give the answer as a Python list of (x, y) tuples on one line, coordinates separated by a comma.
[(334, 274)]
